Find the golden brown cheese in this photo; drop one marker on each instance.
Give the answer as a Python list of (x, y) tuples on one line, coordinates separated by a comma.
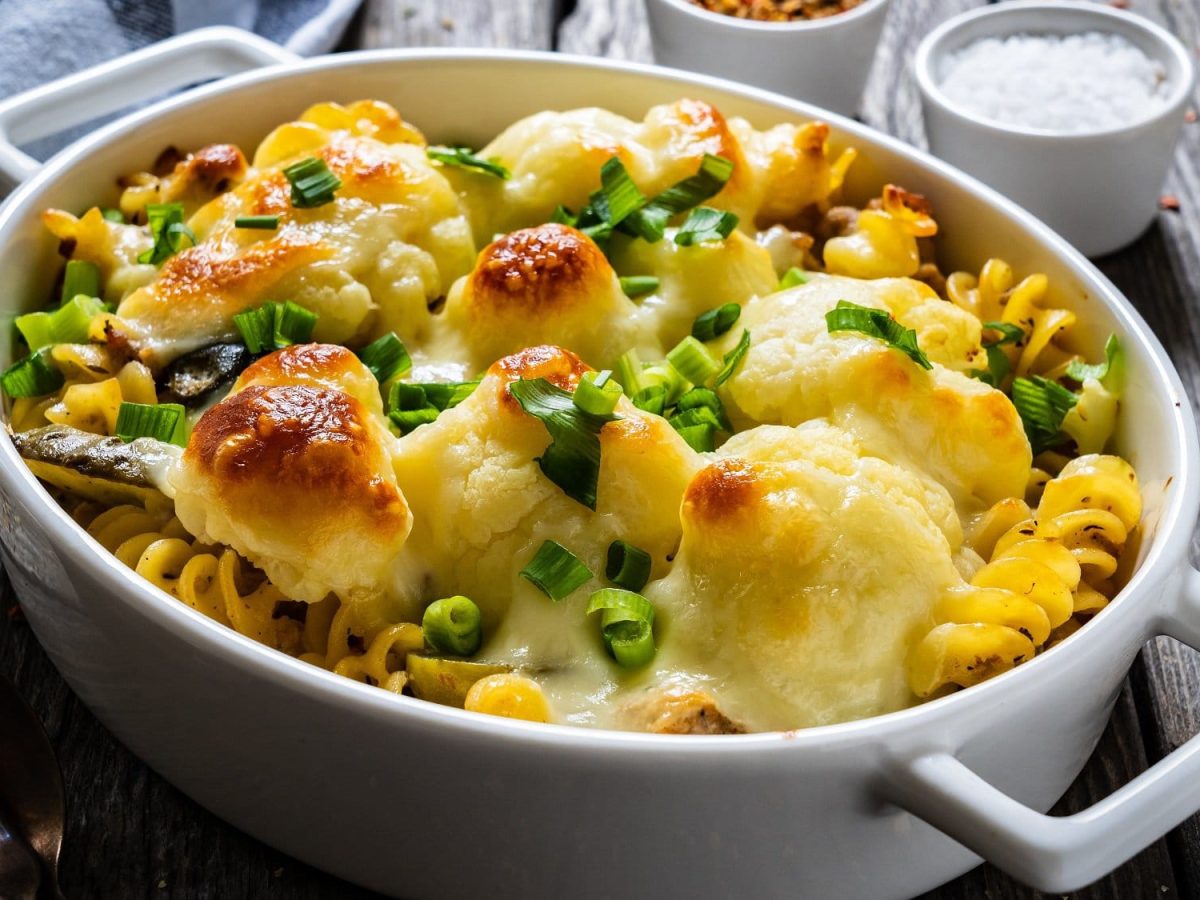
[(555, 158), (549, 284), (374, 259), (806, 569), (964, 433), (294, 472)]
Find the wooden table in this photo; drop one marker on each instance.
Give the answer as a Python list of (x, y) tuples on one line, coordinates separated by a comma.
[(131, 834)]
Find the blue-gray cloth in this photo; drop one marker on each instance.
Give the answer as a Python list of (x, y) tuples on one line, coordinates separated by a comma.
[(41, 40)]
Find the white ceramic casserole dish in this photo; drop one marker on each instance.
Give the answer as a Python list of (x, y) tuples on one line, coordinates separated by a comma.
[(420, 800)]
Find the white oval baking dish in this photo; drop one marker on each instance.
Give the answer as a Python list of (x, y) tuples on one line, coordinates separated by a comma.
[(416, 799)]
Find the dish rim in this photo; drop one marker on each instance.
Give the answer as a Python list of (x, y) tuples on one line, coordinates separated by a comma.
[(930, 52), (123, 585), (751, 26)]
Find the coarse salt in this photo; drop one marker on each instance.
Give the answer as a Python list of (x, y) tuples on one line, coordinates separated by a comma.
[(1075, 83)]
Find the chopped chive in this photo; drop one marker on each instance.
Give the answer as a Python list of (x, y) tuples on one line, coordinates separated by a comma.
[(166, 422), (80, 277), (597, 394), (264, 222), (665, 374), (715, 322), (701, 438), (691, 359), (563, 216), (465, 159), (733, 359), (33, 376), (453, 625), (68, 324), (556, 571), (998, 364), (257, 327), (792, 277), (626, 625), (650, 221), (876, 323), (627, 566), (637, 285), (386, 357), (706, 224), (168, 230), (312, 183), (113, 215), (572, 460)]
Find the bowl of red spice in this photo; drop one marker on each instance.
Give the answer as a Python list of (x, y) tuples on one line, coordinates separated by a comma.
[(819, 51)]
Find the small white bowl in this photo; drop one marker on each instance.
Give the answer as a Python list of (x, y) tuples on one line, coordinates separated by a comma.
[(822, 61), (1098, 189)]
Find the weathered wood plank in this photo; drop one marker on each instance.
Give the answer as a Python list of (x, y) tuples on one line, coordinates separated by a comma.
[(612, 28), (524, 24)]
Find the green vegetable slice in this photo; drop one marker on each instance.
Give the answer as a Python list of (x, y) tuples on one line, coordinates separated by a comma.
[(556, 571), (463, 158), (876, 323)]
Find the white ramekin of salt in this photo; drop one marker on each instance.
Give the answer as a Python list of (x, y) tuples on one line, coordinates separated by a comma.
[(1072, 110)]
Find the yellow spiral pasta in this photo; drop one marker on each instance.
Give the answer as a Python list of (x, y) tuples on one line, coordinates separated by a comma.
[(1047, 572), (883, 243)]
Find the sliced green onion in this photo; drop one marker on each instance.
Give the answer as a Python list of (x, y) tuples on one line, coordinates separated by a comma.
[(113, 215), (68, 324), (463, 158), (703, 397), (792, 277), (998, 364), (166, 422), (563, 216), (168, 230), (1081, 371), (618, 196), (1042, 405), (627, 566), (312, 183), (257, 327), (597, 394), (629, 372), (701, 438), (876, 323), (268, 223), (407, 396), (556, 571), (293, 324), (407, 420), (706, 224), (439, 395), (651, 399), (453, 625), (666, 375), (650, 221), (691, 359), (715, 322), (33, 376), (637, 285), (386, 357), (80, 277), (572, 460), (733, 359), (626, 625)]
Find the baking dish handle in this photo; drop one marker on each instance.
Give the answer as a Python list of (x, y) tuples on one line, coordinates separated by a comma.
[(144, 74), (1059, 853)]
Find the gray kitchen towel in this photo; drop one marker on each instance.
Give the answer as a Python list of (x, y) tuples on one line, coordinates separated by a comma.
[(45, 39)]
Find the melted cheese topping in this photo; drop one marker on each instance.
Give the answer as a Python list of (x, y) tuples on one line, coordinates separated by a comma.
[(965, 434), (294, 472)]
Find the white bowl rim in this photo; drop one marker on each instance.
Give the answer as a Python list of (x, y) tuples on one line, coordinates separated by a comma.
[(929, 54), (825, 23), (259, 661)]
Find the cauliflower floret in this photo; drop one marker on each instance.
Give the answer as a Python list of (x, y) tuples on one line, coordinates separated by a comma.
[(964, 433), (806, 571)]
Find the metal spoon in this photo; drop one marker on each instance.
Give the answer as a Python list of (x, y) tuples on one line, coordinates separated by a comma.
[(32, 806)]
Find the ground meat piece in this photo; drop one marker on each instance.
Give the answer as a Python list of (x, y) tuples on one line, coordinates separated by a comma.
[(680, 712)]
